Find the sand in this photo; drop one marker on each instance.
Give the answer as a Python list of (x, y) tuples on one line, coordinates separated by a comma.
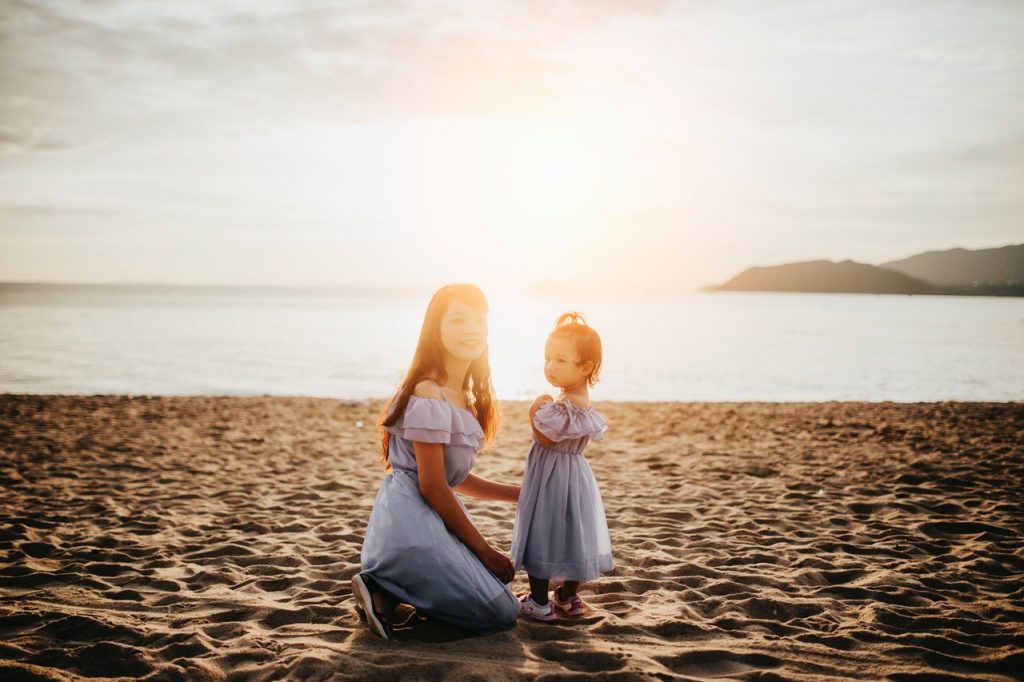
[(214, 538)]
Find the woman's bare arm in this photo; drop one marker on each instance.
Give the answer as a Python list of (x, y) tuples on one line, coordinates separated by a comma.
[(435, 491), (474, 486)]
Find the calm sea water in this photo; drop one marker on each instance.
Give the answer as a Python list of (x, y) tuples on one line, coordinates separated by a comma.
[(717, 347)]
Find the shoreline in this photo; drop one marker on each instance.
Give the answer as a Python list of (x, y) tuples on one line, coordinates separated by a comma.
[(510, 401), (214, 538)]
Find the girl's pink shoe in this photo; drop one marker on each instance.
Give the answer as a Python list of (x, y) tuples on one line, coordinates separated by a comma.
[(574, 606)]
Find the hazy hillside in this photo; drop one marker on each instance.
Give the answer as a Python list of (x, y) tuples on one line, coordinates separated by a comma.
[(1003, 266), (826, 276)]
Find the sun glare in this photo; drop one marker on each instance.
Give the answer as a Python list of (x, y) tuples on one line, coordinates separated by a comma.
[(546, 172), (519, 324)]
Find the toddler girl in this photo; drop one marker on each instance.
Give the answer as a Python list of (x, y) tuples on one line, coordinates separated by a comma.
[(560, 530)]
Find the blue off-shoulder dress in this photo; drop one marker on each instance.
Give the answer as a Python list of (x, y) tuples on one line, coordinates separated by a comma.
[(561, 530), (408, 550)]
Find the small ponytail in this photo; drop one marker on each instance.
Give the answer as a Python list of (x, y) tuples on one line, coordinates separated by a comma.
[(570, 318)]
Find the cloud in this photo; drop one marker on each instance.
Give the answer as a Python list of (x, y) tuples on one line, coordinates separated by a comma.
[(199, 61), (808, 122), (24, 222), (14, 140), (124, 65), (16, 211)]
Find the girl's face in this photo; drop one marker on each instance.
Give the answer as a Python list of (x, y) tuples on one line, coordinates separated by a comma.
[(464, 331), (562, 366)]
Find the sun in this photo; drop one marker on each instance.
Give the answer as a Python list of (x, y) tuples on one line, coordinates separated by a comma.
[(548, 171)]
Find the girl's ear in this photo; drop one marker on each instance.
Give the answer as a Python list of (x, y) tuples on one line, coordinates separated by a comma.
[(588, 368)]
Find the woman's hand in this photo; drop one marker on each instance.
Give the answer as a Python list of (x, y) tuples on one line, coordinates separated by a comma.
[(498, 564)]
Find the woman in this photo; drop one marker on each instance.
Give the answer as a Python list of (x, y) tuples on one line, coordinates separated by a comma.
[(421, 547)]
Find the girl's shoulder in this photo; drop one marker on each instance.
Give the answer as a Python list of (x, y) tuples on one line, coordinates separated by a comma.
[(579, 402), (574, 401)]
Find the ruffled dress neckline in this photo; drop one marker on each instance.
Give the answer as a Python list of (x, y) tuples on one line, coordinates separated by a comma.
[(444, 400), (433, 420)]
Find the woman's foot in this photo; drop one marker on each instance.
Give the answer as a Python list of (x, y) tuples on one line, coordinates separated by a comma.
[(530, 608), (363, 589), (573, 606)]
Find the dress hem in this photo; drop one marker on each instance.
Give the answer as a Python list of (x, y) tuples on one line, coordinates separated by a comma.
[(561, 571)]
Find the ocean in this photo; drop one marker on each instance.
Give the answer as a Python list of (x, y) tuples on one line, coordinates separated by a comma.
[(353, 345)]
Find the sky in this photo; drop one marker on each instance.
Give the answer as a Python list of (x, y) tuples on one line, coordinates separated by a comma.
[(640, 145)]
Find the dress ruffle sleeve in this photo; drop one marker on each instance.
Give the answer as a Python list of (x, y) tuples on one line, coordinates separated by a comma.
[(429, 420), (564, 420)]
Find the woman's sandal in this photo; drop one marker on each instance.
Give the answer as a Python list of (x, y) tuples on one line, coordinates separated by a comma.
[(362, 590)]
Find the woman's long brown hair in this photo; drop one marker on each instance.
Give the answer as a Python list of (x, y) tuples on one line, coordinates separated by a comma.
[(428, 363)]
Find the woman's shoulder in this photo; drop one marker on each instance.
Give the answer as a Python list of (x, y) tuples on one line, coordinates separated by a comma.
[(428, 388)]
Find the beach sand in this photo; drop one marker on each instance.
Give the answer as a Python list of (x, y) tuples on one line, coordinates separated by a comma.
[(213, 538)]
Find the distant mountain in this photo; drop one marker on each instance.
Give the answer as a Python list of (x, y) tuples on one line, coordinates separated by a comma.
[(986, 272), (1003, 266), (826, 276)]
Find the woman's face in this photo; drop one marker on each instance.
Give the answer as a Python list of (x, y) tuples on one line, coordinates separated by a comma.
[(464, 331)]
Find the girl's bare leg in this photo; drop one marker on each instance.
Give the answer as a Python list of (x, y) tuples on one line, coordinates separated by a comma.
[(568, 589), (539, 590)]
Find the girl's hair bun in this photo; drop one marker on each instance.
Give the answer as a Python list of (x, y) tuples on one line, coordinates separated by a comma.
[(570, 318)]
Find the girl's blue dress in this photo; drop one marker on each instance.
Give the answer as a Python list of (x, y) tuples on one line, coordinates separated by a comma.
[(560, 530), (408, 550)]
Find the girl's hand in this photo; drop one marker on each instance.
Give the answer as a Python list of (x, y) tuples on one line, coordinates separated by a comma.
[(534, 408), (540, 402), (498, 564)]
